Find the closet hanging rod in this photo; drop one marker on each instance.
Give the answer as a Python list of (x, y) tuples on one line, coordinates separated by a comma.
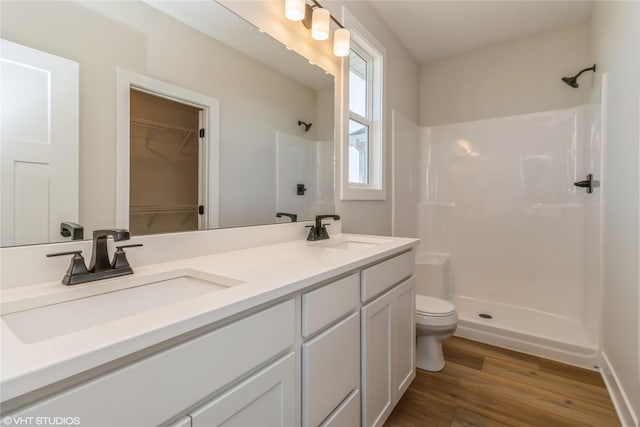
[(161, 126)]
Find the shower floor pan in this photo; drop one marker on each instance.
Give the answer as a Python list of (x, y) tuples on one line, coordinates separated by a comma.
[(526, 330)]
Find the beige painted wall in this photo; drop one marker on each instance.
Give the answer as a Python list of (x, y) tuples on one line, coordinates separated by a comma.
[(616, 49), (104, 35), (516, 77)]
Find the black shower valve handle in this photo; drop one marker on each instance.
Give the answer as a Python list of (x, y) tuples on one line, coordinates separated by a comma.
[(588, 183)]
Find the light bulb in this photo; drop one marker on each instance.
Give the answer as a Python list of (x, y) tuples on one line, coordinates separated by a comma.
[(294, 9), (341, 42), (320, 24)]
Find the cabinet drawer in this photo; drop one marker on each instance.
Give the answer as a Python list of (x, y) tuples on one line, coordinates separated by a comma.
[(265, 399), (324, 305), (380, 277), (330, 369), (183, 422), (145, 393), (347, 414)]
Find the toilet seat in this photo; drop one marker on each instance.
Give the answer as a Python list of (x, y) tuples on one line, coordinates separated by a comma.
[(433, 307)]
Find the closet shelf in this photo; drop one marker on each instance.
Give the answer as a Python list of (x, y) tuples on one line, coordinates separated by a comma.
[(155, 210)]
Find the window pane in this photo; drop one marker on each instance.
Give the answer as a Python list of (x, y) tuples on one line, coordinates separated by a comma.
[(357, 84), (358, 152)]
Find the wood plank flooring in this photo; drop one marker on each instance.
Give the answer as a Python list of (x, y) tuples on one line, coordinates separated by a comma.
[(482, 385)]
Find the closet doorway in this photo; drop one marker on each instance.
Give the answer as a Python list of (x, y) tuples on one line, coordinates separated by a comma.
[(167, 183)]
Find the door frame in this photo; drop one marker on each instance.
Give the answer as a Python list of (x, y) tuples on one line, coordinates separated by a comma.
[(209, 144)]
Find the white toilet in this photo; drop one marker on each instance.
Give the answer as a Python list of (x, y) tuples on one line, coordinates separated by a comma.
[(436, 318)]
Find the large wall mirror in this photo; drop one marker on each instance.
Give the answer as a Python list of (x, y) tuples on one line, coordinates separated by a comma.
[(157, 116)]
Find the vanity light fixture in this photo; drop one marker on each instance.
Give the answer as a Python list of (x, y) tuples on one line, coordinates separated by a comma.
[(320, 24), (341, 42), (294, 9), (318, 20)]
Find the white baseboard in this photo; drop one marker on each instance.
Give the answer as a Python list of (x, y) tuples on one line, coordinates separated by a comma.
[(625, 411)]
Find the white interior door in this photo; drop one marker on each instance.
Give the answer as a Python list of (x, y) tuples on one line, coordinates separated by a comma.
[(39, 125)]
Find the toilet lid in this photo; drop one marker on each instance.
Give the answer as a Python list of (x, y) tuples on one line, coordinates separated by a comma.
[(433, 306)]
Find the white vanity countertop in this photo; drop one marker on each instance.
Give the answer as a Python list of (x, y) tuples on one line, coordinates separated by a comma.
[(268, 273)]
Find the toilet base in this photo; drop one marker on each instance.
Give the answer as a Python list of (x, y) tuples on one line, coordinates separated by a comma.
[(429, 353)]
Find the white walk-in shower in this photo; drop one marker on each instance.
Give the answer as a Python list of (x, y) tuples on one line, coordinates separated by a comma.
[(499, 217)]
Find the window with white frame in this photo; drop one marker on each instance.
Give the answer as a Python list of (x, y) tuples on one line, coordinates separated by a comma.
[(363, 168), (360, 112)]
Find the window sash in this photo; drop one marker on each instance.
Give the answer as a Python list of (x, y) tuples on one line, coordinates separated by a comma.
[(365, 162), (370, 78), (362, 175)]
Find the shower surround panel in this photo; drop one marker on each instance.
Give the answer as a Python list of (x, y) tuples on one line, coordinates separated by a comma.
[(498, 196)]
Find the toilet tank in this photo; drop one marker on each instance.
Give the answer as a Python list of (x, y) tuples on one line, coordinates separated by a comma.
[(433, 275)]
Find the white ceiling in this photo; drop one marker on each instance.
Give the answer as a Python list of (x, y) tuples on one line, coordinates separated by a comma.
[(433, 30)]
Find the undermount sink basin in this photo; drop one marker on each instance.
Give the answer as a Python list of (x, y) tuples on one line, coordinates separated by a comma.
[(139, 294), (353, 243)]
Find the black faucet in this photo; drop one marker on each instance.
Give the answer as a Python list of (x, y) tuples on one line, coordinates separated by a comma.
[(100, 267), (293, 217), (319, 231), (99, 255)]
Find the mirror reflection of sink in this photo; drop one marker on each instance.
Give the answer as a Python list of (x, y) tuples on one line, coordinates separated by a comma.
[(50, 321), (353, 243)]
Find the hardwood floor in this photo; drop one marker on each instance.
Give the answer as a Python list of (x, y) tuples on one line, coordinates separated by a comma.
[(482, 385)]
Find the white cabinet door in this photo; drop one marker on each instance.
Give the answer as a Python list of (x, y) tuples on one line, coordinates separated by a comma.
[(347, 414), (404, 337), (330, 369), (266, 399), (388, 351), (39, 105), (377, 397)]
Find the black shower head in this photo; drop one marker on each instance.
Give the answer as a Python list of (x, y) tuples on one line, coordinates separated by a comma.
[(573, 81), (307, 126)]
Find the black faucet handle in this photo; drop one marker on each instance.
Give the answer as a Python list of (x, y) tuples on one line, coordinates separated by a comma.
[(136, 245), (77, 267), (120, 261), (64, 253)]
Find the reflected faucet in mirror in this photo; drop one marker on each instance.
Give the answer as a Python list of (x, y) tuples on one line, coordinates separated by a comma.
[(72, 229), (101, 267), (293, 217)]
